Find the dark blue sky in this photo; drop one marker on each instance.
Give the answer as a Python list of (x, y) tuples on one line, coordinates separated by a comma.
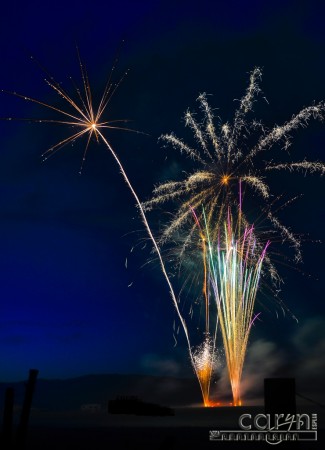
[(66, 307)]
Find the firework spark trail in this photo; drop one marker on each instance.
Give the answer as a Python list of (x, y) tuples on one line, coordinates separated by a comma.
[(146, 224), (88, 119), (204, 258), (224, 157), (282, 132), (246, 105), (305, 166), (204, 355), (234, 273)]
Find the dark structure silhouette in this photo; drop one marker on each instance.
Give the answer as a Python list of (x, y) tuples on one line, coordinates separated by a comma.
[(133, 405), (6, 441), (279, 396), (24, 418)]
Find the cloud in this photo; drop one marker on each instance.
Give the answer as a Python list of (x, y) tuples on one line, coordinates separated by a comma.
[(303, 359), (263, 360), (309, 343), (300, 357), (160, 366)]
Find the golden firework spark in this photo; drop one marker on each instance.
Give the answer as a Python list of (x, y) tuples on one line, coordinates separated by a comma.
[(80, 112)]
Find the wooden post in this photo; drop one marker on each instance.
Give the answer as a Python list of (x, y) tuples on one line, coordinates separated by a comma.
[(24, 418), (7, 419)]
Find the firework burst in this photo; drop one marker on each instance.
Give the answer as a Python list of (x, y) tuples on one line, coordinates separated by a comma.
[(80, 113), (224, 155), (88, 120), (230, 255)]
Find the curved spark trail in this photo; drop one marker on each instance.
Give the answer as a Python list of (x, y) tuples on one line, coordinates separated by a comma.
[(88, 120)]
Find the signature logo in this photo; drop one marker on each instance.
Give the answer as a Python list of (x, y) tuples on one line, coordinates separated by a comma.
[(273, 429)]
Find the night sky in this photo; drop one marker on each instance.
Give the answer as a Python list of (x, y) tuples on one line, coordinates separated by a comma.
[(65, 261)]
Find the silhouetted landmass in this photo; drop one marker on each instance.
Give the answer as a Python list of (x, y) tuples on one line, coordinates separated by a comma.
[(71, 394), (65, 415), (133, 405)]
